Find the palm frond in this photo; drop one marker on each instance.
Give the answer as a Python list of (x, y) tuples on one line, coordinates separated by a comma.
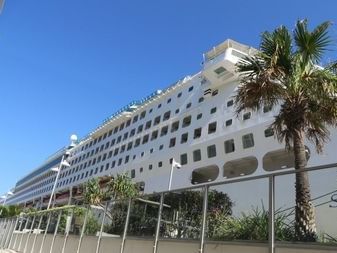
[(312, 45)]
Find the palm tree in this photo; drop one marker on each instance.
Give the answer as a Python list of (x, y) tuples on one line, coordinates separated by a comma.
[(285, 73)]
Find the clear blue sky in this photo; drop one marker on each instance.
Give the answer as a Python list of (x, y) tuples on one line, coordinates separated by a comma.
[(67, 65)]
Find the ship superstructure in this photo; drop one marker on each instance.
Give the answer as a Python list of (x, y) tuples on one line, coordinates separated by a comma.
[(192, 122)]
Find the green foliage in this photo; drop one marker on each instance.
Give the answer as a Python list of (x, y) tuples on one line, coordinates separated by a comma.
[(122, 187), (92, 192), (253, 226), (10, 211)]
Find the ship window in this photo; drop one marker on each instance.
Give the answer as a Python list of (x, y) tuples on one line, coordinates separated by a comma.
[(213, 110), (184, 138), (140, 128), (247, 115), (133, 173), (129, 145), (199, 116), (175, 126), (141, 169), (102, 147), (115, 130), (248, 140), (230, 103), (125, 136), (160, 164), (151, 150), (127, 159), (122, 149), (219, 70), (151, 110), (96, 151), (166, 115), (188, 105), (93, 162), (197, 133), (229, 146), (121, 127), (164, 131), (116, 151), (159, 106), (150, 166), (229, 122), (145, 139), (169, 100), (177, 111), (113, 142), (120, 160), (148, 124), (113, 164), (186, 121), (106, 145), (142, 115), (267, 108), (215, 92), (161, 147), (132, 132), (197, 155), (156, 120), (103, 159), (183, 159), (190, 89), (107, 166), (179, 94), (110, 154), (154, 135), (119, 139), (101, 169), (212, 128), (100, 138), (268, 132), (137, 142), (104, 136), (211, 151), (127, 124), (201, 99), (135, 119), (172, 142), (134, 157)]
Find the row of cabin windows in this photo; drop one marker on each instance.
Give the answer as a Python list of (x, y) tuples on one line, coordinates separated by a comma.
[(174, 127), (127, 123), (229, 147)]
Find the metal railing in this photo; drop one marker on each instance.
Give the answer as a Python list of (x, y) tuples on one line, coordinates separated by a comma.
[(15, 232)]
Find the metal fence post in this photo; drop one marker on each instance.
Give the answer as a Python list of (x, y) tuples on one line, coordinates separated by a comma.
[(4, 232), (271, 220), (17, 234), (12, 234), (126, 226), (9, 233), (45, 232), (27, 220), (38, 230), (203, 221), (55, 232), (83, 229), (101, 229), (67, 230), (158, 223), (29, 233)]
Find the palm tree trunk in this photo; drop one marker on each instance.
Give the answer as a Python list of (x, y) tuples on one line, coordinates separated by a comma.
[(305, 227)]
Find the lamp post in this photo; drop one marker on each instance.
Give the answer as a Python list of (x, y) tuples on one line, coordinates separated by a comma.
[(64, 163), (173, 165)]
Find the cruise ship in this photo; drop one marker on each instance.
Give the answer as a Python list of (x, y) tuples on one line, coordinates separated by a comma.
[(191, 123)]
